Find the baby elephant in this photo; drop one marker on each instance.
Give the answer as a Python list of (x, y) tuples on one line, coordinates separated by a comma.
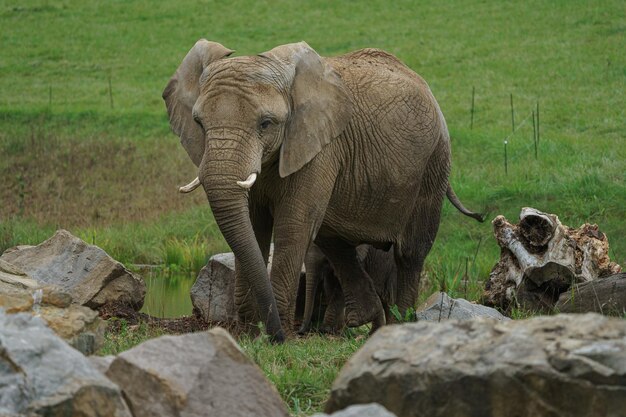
[(378, 264)]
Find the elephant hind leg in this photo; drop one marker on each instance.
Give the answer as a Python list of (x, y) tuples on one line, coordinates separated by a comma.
[(410, 261), (420, 233), (362, 303)]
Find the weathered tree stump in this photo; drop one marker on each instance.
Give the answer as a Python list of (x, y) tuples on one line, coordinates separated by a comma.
[(540, 258)]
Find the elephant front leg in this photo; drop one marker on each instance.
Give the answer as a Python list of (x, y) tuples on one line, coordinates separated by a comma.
[(362, 303), (289, 253), (296, 222)]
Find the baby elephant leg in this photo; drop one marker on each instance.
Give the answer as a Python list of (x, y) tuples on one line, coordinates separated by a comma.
[(362, 303), (334, 318)]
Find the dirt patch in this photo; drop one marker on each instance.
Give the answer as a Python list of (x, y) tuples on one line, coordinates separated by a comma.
[(93, 181), (179, 325)]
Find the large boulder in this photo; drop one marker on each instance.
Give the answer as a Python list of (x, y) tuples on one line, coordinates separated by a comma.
[(195, 374), (440, 307), (41, 375), (84, 271), (102, 363), (564, 365), (213, 293), (80, 326)]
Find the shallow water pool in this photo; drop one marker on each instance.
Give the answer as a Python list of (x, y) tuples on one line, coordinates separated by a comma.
[(167, 292)]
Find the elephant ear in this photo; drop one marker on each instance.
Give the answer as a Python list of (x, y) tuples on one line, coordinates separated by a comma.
[(183, 90), (321, 106)]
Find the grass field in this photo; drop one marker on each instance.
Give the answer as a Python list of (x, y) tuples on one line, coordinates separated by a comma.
[(85, 144)]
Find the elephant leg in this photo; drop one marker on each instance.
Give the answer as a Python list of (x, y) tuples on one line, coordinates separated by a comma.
[(262, 222), (410, 261), (289, 253), (334, 318), (362, 303), (421, 231), (294, 230), (408, 278), (381, 267), (315, 273)]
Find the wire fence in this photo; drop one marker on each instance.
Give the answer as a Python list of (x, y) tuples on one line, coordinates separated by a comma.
[(515, 128)]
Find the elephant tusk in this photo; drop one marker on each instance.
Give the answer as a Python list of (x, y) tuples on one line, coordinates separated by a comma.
[(190, 187), (248, 182)]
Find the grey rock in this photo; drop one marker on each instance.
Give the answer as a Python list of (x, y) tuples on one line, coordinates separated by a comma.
[(80, 326), (84, 271), (213, 293), (40, 374), (564, 365), (195, 374), (365, 410), (440, 307), (603, 295), (102, 363)]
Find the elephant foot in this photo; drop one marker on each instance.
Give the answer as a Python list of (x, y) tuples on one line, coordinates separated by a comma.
[(278, 338), (304, 329), (289, 327), (323, 329), (377, 324), (358, 314), (332, 330)]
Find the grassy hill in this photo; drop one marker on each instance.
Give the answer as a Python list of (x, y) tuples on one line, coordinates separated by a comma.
[(85, 144)]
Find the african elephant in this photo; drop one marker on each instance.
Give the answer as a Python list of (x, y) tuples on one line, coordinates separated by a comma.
[(341, 151), (379, 265)]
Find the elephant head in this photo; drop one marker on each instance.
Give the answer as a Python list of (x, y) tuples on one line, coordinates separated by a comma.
[(236, 116)]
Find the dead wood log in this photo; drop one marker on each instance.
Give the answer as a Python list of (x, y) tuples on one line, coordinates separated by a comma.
[(540, 258), (604, 295)]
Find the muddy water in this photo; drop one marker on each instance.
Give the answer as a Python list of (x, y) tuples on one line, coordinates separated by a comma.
[(167, 293)]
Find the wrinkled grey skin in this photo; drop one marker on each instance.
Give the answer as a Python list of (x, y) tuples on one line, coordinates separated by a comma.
[(379, 265), (348, 150)]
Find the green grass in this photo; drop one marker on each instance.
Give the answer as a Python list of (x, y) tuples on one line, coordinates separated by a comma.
[(126, 336), (109, 172), (76, 162), (303, 369), (145, 242)]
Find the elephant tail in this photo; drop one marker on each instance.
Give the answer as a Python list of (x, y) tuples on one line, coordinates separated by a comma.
[(457, 203)]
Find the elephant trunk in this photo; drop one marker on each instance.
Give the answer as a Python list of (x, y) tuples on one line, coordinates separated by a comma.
[(220, 173)]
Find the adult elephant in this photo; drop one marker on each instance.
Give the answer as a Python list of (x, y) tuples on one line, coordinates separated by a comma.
[(345, 150)]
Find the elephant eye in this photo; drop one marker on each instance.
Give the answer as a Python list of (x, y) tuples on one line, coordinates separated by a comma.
[(265, 124), (266, 121)]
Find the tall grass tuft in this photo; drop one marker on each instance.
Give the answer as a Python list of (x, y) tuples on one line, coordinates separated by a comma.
[(186, 255)]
